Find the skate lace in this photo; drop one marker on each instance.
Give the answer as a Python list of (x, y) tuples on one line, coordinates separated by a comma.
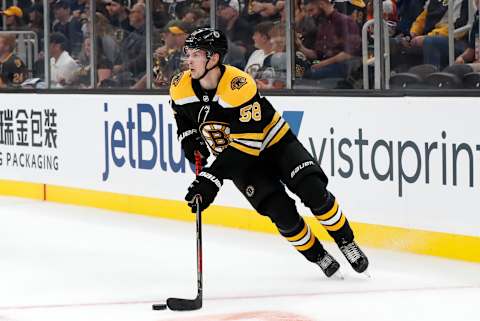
[(325, 261), (351, 251)]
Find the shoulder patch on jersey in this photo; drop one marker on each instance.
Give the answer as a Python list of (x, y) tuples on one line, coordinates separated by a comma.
[(238, 82), (181, 90), (235, 88), (176, 79)]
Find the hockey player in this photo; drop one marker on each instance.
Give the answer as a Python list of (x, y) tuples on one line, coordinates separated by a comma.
[(218, 108)]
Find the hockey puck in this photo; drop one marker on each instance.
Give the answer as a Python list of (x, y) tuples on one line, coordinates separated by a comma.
[(159, 306)]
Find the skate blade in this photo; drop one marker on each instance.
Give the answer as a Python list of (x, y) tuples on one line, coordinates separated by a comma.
[(337, 275), (367, 274)]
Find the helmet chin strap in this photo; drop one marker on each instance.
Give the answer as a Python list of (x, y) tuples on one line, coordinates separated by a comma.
[(206, 69)]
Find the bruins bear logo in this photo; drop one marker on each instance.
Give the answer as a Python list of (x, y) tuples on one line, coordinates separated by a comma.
[(238, 82), (176, 79), (216, 134)]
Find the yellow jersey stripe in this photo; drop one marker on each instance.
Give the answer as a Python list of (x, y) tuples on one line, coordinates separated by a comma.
[(336, 226), (297, 237), (279, 135), (275, 119), (245, 149), (329, 214), (252, 136), (258, 136)]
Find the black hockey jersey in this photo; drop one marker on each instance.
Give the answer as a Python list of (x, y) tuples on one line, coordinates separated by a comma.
[(12, 71), (233, 119)]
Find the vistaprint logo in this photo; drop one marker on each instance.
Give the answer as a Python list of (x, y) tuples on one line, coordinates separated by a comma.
[(438, 161)]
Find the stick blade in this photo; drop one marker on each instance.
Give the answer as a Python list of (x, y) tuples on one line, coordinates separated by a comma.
[(176, 304), (159, 307)]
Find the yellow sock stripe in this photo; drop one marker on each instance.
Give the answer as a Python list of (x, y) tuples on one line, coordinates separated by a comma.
[(336, 226), (299, 236), (308, 245), (279, 135), (329, 214), (245, 149)]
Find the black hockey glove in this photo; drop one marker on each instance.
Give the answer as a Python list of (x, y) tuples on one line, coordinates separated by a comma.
[(192, 142), (206, 187)]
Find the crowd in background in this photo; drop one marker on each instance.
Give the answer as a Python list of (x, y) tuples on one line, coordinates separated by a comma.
[(327, 41)]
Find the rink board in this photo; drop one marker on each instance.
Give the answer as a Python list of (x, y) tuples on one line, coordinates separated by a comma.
[(404, 169)]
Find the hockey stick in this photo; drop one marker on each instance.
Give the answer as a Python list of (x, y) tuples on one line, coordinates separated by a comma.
[(177, 304)]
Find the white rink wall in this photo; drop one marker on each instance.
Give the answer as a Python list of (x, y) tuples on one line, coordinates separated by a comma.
[(408, 162)]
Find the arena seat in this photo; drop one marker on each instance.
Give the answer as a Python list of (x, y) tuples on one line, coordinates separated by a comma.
[(450, 78), (413, 78), (472, 80)]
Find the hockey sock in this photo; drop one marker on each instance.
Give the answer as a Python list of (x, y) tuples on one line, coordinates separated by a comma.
[(334, 221), (301, 237)]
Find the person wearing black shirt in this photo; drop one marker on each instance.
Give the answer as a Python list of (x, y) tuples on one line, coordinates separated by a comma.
[(12, 69)]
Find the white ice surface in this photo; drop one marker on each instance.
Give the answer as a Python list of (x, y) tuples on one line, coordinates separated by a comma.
[(67, 263)]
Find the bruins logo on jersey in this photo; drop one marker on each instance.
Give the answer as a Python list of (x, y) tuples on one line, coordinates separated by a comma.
[(176, 79), (238, 82), (216, 134)]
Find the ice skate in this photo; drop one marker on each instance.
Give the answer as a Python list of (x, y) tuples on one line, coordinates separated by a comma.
[(354, 255), (329, 265)]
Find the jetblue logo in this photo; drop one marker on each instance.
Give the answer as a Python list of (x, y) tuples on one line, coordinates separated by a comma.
[(125, 143)]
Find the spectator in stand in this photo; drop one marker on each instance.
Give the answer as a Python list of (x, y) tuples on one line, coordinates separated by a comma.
[(63, 69), (263, 43), (168, 58), (353, 8), (471, 55), (408, 11), (337, 41), (274, 70), (176, 8), (298, 11), (235, 27), (160, 14), (432, 21), (67, 24), (133, 47), (12, 69), (428, 39), (118, 14), (35, 15), (78, 7), (196, 17), (108, 46), (205, 6), (257, 11), (390, 12), (104, 66), (14, 19), (305, 26), (435, 47)]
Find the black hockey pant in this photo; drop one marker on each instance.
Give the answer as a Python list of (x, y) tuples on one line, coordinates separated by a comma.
[(290, 164)]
